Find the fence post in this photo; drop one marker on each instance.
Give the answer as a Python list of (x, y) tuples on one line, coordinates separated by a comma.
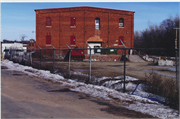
[(31, 59), (69, 63), (53, 58), (124, 87), (23, 56), (177, 70), (10, 55), (89, 65), (15, 53), (40, 58)]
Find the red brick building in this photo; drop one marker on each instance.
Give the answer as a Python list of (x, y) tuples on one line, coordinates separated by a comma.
[(76, 26)]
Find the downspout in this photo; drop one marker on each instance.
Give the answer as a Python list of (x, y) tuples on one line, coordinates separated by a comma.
[(108, 29), (59, 28), (36, 28), (84, 28), (132, 31)]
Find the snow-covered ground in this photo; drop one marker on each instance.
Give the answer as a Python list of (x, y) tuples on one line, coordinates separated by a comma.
[(170, 68), (132, 102)]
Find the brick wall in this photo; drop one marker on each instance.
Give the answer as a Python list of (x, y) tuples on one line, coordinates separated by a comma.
[(60, 30)]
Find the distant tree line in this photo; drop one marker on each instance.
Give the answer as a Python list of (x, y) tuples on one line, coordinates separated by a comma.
[(15, 41), (22, 40), (162, 36)]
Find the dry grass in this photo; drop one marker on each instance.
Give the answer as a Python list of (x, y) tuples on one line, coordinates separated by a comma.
[(163, 86)]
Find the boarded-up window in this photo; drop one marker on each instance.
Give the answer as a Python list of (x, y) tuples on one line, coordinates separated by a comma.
[(73, 40), (48, 21), (73, 21), (48, 39), (121, 22), (122, 39)]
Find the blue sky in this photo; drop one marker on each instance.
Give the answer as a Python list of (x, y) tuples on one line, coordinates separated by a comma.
[(19, 18)]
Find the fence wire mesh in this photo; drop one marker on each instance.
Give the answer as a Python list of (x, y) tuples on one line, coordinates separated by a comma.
[(160, 73)]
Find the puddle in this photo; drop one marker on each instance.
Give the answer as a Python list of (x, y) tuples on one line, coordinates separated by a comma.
[(164, 70), (84, 97), (4, 67), (155, 99), (61, 90), (116, 65), (17, 74)]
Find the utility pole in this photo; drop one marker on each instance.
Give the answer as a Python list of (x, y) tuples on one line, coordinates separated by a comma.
[(177, 69)]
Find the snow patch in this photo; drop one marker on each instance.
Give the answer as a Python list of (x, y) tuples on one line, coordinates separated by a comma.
[(131, 102)]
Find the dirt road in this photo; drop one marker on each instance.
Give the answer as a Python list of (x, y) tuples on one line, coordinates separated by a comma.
[(24, 96), (139, 70)]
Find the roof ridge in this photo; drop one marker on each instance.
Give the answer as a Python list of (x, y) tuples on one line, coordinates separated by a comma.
[(83, 7)]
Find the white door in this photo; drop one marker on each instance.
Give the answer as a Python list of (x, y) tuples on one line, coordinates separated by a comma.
[(92, 46)]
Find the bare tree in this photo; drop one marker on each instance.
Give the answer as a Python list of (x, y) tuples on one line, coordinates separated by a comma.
[(161, 36), (23, 36)]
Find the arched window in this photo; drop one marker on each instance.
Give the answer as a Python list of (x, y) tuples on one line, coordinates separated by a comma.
[(121, 22), (97, 24)]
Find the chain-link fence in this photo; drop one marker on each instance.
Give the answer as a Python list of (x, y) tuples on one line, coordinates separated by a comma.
[(160, 74), (88, 60)]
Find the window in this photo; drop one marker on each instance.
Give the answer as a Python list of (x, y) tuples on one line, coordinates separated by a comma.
[(97, 24), (48, 21), (31, 44), (48, 39), (122, 39), (73, 21), (73, 40), (121, 22)]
